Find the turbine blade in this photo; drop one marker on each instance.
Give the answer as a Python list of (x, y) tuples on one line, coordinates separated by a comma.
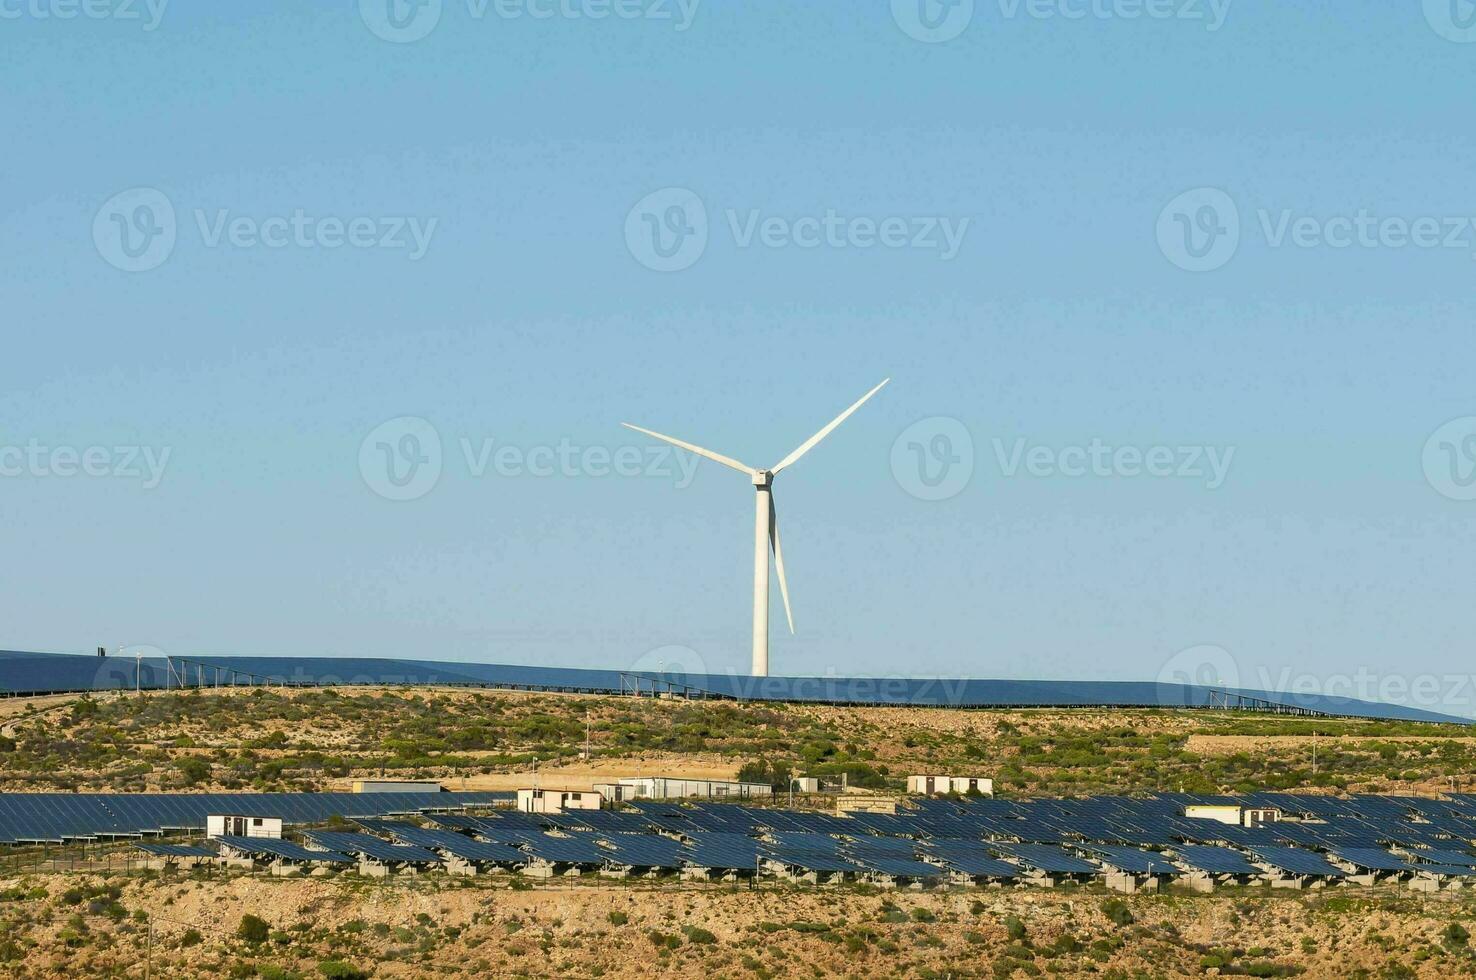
[(778, 548), (708, 453), (809, 443)]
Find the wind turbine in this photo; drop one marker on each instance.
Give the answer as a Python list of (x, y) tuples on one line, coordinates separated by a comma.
[(765, 525)]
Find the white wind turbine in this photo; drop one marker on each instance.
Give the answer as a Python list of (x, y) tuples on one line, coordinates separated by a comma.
[(765, 525)]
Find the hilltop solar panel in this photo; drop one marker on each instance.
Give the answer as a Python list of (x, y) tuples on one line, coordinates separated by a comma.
[(1133, 861), (1294, 860), (800, 841), (275, 847), (461, 846), (1215, 860), (372, 848)]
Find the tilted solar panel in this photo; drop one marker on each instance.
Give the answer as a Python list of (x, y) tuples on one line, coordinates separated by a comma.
[(1132, 860), (1296, 861), (1044, 857), (276, 847), (372, 847), (1215, 860), (1369, 858)]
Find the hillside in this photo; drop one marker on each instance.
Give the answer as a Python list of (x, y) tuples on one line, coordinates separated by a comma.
[(310, 739)]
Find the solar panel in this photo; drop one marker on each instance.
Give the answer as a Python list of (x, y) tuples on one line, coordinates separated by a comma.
[(372, 847), (1297, 861), (645, 850), (276, 847), (1215, 860), (1369, 858), (1132, 860), (897, 867), (1438, 856), (1044, 857), (728, 852), (811, 860), (566, 850)]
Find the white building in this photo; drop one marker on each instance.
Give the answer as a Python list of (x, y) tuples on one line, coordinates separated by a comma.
[(558, 800), (931, 785), (679, 788), (1232, 814), (237, 825)]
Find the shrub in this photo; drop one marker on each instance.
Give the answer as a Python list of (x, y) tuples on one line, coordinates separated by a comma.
[(698, 935), (618, 918), (1117, 912), (339, 970), (1455, 935), (1015, 929), (253, 929), (191, 937)]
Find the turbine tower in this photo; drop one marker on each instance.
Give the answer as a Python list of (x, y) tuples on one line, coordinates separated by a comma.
[(765, 525)]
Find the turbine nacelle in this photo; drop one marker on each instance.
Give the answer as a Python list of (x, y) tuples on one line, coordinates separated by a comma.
[(766, 525)]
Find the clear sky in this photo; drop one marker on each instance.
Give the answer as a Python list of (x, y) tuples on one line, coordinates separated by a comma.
[(1081, 236)]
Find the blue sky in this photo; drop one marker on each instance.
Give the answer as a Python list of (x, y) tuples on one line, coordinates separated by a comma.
[(1069, 156)]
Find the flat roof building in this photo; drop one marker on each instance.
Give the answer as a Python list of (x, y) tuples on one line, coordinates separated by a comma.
[(680, 788)]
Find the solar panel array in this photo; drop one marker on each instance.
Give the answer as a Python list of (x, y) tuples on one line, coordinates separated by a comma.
[(274, 847), (40, 673), (58, 817), (1332, 837)]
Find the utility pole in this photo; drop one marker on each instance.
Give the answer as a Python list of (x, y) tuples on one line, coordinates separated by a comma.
[(1314, 752)]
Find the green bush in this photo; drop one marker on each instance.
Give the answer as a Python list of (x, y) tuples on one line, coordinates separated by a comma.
[(253, 929), (339, 970), (1117, 912), (618, 918)]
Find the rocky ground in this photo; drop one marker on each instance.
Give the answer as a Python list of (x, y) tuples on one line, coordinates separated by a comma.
[(84, 925)]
